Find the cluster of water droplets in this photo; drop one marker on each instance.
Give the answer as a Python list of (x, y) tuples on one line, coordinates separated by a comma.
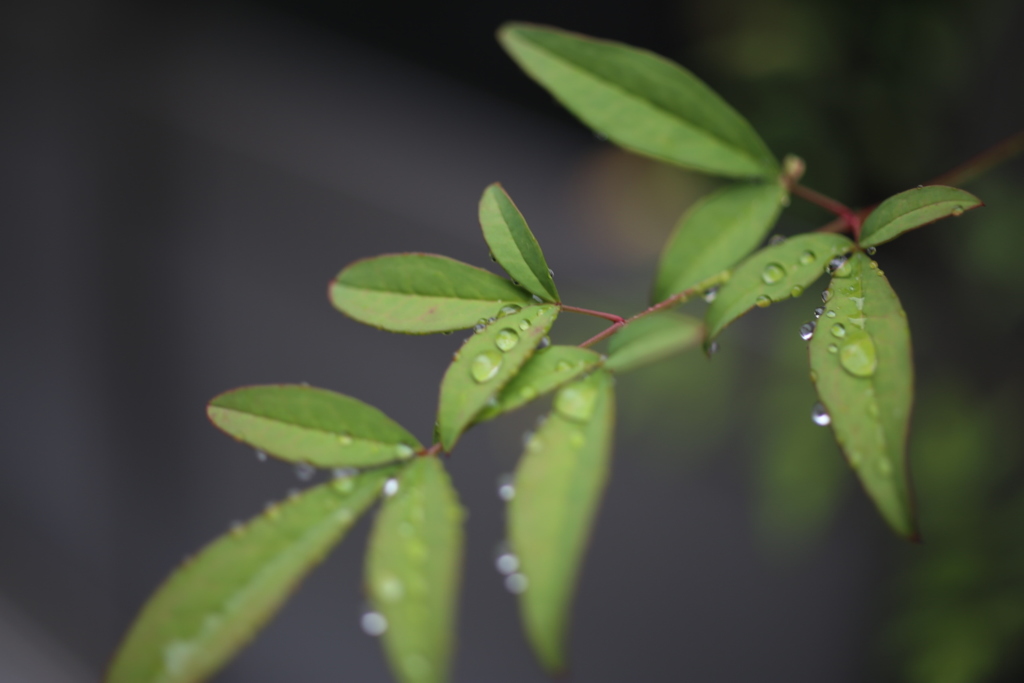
[(486, 364), (507, 564)]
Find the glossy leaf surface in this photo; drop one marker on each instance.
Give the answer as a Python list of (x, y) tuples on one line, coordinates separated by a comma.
[(774, 274), (640, 101), (558, 487), (651, 339), (913, 209), (485, 364), (714, 234), (547, 370), (218, 600), (300, 423), (513, 245), (862, 369), (412, 571), (421, 293)]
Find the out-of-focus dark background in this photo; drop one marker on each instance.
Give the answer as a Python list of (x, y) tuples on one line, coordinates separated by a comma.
[(180, 181)]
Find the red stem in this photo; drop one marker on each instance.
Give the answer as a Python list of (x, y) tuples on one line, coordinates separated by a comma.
[(597, 314), (671, 301), (978, 164)]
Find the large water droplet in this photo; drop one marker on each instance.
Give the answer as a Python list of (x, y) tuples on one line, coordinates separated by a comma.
[(838, 331), (807, 258), (509, 309), (763, 301), (506, 487), (506, 339), (807, 330), (516, 583), (857, 355), (576, 402), (373, 624), (839, 267), (772, 273), (485, 366), (820, 416), (390, 487)]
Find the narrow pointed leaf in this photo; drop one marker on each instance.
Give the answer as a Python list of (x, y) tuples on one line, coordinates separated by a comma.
[(299, 423), (912, 209), (651, 339), (421, 293), (217, 601), (862, 368), (640, 101), (513, 245), (547, 370), (774, 274), (485, 364), (715, 234), (412, 571), (558, 485)]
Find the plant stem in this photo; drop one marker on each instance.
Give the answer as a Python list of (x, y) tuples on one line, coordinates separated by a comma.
[(661, 305), (980, 163), (597, 314)]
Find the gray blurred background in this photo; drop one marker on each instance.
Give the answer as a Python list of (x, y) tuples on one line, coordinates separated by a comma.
[(180, 182)]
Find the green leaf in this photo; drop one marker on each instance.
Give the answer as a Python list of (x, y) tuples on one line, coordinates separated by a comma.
[(640, 101), (485, 364), (218, 600), (299, 423), (774, 274), (863, 371), (421, 293), (558, 487), (412, 571), (513, 245), (912, 209), (714, 234), (651, 339), (547, 370)]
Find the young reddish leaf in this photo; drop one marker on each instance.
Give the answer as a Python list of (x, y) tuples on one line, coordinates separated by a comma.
[(485, 364), (651, 339), (218, 600), (547, 370), (421, 293), (773, 274), (413, 567), (513, 245), (640, 101), (558, 487), (862, 368), (299, 423), (912, 209), (714, 234)]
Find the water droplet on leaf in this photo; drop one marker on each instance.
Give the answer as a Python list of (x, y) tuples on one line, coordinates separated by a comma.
[(304, 471), (818, 311), (776, 240), (506, 339), (390, 588), (797, 290), (485, 366), (826, 295), (838, 330), (562, 366), (373, 624), (820, 416), (763, 301), (516, 583), (958, 211), (712, 348), (507, 563), (261, 456), (544, 343), (710, 294), (509, 309), (390, 487), (833, 348), (576, 402), (506, 487), (807, 258), (870, 251), (839, 267), (524, 325), (772, 273), (404, 451), (807, 330), (857, 355)]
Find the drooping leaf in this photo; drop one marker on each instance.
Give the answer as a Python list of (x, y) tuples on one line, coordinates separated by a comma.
[(513, 245), (299, 423), (412, 571), (714, 234), (912, 209), (218, 600), (640, 101), (485, 364), (863, 371), (773, 274), (547, 370), (651, 339), (558, 487), (421, 293)]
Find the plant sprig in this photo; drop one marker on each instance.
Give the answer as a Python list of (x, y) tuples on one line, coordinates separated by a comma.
[(859, 353)]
